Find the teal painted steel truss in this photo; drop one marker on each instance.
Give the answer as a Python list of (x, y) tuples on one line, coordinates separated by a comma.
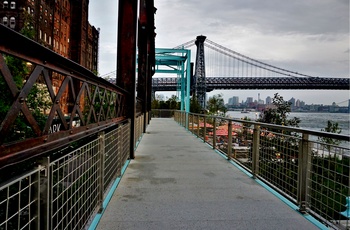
[(177, 62)]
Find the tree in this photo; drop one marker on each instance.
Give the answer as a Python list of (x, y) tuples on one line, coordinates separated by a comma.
[(216, 105), (332, 127), (38, 99), (278, 115), (173, 102), (195, 107)]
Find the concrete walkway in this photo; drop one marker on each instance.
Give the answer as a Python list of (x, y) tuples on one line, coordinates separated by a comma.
[(178, 182)]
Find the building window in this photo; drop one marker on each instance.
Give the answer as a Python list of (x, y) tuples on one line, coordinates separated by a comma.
[(5, 21), (49, 40), (5, 5), (13, 5), (12, 22), (45, 37), (40, 34)]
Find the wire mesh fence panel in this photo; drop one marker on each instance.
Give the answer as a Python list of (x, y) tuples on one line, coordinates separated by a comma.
[(112, 161), (278, 154), (20, 201), (75, 187), (125, 138), (328, 183)]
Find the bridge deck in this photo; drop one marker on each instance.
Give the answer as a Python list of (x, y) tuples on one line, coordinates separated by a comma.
[(178, 182)]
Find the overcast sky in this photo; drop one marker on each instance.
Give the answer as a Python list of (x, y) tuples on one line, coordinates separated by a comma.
[(307, 36)]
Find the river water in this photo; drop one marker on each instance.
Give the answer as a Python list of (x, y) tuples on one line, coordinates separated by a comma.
[(313, 121)]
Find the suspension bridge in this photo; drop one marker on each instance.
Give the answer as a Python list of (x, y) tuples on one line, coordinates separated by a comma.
[(221, 68)]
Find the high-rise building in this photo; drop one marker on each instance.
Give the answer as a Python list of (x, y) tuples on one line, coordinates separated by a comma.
[(235, 100), (268, 100), (230, 102), (249, 100), (292, 101), (52, 22)]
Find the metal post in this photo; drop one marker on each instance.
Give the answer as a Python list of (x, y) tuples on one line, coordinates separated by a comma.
[(214, 134), (197, 125), (187, 120), (119, 149), (304, 166), (126, 59), (37, 189), (45, 194), (183, 105), (101, 150), (188, 81), (191, 121), (205, 127), (256, 145), (229, 144)]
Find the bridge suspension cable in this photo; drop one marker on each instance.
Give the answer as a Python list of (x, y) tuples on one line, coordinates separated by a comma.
[(245, 60), (342, 102), (108, 74), (186, 45)]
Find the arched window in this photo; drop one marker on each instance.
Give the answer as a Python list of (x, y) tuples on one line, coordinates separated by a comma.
[(5, 21), (5, 4), (13, 5), (12, 22)]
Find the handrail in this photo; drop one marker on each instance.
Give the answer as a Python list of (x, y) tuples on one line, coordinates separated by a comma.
[(287, 128)]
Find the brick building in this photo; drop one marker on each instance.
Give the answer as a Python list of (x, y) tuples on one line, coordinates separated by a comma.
[(60, 25), (53, 22)]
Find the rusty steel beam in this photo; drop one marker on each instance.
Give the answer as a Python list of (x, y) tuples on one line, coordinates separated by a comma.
[(151, 10), (126, 59), (146, 51), (142, 83)]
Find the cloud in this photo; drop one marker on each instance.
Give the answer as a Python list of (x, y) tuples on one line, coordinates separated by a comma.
[(307, 36)]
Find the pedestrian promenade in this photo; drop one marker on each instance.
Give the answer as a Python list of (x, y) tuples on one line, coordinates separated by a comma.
[(178, 182)]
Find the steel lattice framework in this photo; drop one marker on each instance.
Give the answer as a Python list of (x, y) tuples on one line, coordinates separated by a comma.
[(200, 84), (217, 83)]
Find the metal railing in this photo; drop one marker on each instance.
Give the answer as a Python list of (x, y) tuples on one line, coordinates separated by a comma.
[(162, 113), (310, 168), (65, 192)]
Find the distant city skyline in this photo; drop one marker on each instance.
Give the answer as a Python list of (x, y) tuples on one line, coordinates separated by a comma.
[(311, 97), (286, 97)]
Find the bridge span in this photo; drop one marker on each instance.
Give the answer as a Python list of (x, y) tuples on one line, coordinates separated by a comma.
[(226, 83)]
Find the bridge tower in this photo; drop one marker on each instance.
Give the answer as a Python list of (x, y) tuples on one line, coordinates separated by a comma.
[(200, 85)]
